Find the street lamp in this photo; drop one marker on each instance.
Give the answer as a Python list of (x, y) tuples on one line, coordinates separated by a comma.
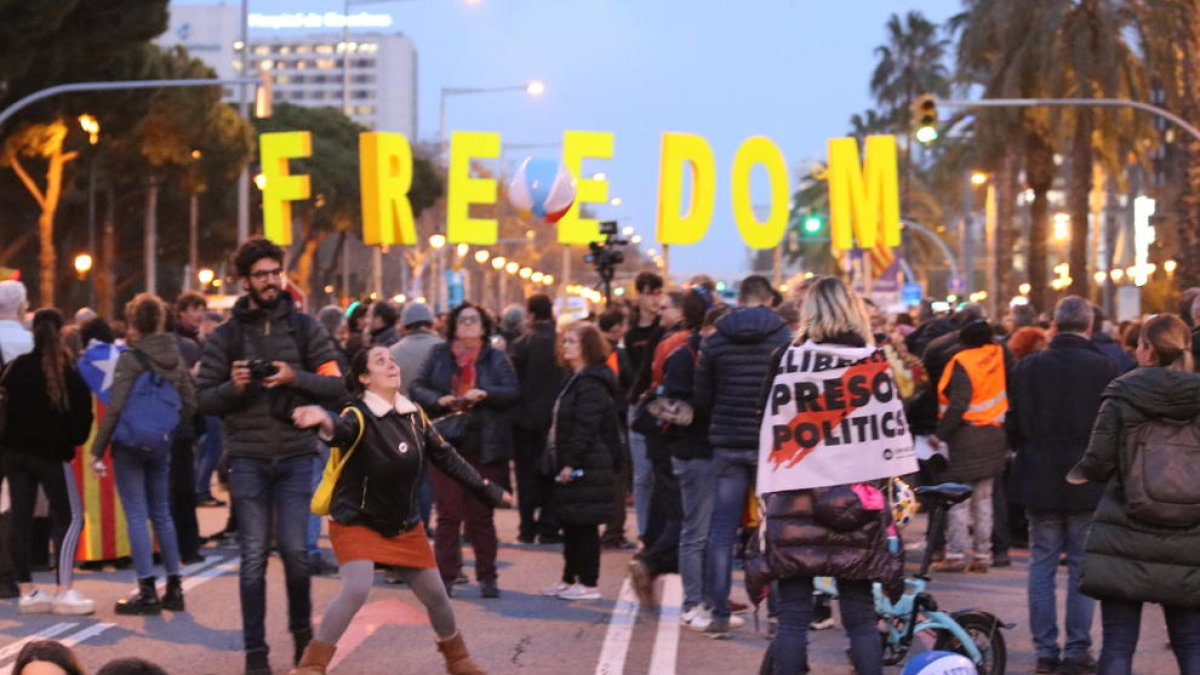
[(498, 262), (525, 272), (481, 256), (533, 88), (978, 178), (462, 250), (91, 126), (83, 265), (437, 241), (205, 276), (512, 267)]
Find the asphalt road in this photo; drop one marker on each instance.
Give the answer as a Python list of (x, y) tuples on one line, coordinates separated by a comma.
[(521, 632)]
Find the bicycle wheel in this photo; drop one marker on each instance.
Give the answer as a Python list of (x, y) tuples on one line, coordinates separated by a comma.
[(984, 631)]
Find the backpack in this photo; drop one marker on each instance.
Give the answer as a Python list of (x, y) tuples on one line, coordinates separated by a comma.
[(1162, 483), (151, 412), (322, 498)]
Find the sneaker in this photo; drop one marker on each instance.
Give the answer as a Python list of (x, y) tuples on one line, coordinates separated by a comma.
[(37, 602), (689, 615), (643, 584), (1076, 665), (580, 592), (488, 589), (1047, 664), (718, 629), (702, 619), (554, 590), (71, 603), (954, 565)]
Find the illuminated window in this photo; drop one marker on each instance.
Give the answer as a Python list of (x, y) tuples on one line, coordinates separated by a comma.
[(301, 65), (324, 49), (281, 79), (368, 48), (366, 110), (326, 64), (266, 64), (284, 49), (303, 49), (262, 49)]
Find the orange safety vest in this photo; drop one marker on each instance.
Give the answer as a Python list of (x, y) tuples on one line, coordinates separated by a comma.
[(989, 389), (614, 362)]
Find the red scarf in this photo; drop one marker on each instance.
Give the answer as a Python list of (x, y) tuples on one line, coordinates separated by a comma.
[(465, 357)]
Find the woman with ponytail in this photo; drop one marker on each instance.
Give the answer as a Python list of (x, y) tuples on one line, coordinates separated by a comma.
[(1129, 560), (49, 414)]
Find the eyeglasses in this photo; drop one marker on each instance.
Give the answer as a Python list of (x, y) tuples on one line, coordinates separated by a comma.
[(261, 275), (468, 318)]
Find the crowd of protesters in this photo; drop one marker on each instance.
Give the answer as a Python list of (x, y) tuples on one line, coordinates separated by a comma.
[(656, 403)]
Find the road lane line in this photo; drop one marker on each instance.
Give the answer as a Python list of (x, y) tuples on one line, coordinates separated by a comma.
[(12, 649), (192, 569), (212, 573), (87, 633), (666, 642), (620, 631)]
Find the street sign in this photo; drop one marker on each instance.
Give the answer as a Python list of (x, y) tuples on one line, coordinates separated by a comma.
[(911, 294)]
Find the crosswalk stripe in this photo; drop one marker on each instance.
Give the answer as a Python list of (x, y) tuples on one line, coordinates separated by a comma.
[(620, 631), (666, 642), (14, 648), (191, 570), (87, 633), (211, 573)]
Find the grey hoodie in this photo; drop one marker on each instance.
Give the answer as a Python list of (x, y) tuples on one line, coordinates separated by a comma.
[(162, 349)]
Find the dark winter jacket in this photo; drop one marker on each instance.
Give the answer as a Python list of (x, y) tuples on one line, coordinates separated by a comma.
[(535, 360), (1053, 399), (640, 342), (734, 363), (258, 421), (1113, 351), (384, 337), (919, 339), (379, 486), (162, 351), (937, 347), (493, 374), (35, 426), (826, 532), (587, 437), (1127, 559), (679, 381)]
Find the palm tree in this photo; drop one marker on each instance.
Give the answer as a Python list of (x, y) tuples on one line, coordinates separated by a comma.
[(913, 62)]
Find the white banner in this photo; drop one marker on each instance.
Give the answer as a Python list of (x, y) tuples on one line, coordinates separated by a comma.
[(833, 416)]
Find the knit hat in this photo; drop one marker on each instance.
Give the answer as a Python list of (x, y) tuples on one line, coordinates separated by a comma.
[(416, 312)]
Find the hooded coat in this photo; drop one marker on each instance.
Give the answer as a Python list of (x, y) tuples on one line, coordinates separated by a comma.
[(733, 364), (1126, 559), (162, 350)]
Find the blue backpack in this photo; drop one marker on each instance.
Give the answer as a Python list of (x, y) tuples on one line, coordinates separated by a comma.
[(151, 411)]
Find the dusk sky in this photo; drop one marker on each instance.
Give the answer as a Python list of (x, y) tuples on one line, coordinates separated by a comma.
[(792, 70)]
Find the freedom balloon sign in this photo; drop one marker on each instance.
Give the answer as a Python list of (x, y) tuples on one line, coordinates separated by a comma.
[(863, 195)]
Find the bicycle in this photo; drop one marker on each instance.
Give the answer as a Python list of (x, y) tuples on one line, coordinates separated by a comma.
[(974, 633)]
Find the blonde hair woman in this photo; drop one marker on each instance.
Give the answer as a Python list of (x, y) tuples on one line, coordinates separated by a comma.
[(839, 531), (1129, 561)]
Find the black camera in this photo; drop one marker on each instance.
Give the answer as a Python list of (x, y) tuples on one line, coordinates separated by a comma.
[(606, 255), (261, 369)]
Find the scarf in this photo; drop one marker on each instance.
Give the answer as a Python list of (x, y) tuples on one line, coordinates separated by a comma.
[(465, 358)]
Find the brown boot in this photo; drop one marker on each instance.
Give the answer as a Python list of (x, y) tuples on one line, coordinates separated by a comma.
[(458, 661), (315, 660)]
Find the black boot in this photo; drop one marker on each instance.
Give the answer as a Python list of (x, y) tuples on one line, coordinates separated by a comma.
[(145, 601), (301, 638), (172, 597)]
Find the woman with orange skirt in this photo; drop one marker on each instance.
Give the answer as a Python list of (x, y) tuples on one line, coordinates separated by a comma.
[(373, 511)]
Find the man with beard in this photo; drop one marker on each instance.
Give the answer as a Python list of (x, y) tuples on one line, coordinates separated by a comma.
[(257, 368)]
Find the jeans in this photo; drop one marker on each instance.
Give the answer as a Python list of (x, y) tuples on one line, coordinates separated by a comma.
[(208, 456), (1051, 533), (581, 554), (973, 515), (643, 477), (696, 482), (260, 488), (1122, 620), (313, 536), (790, 647), (143, 483), (734, 472)]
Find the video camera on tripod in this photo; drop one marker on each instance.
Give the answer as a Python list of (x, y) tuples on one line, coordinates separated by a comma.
[(606, 255)]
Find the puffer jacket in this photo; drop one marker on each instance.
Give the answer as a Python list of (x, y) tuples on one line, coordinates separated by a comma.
[(379, 486), (587, 437), (493, 374), (162, 350), (34, 425), (734, 362), (825, 531), (258, 420), (1127, 559)]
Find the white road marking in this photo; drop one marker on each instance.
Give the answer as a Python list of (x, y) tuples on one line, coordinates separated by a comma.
[(666, 642), (87, 633), (12, 649), (191, 570), (620, 631), (212, 572)]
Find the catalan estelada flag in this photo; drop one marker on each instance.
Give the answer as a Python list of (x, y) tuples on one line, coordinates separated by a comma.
[(104, 535)]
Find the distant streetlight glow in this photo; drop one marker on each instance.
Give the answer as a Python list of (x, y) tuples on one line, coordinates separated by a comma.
[(462, 250), (535, 88), (83, 264), (635, 239), (537, 277), (205, 276), (1062, 227), (599, 176), (525, 272), (627, 231), (481, 256), (437, 241), (616, 201), (978, 178), (512, 267), (498, 262)]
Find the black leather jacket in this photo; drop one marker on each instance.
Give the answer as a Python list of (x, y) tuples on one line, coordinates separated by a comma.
[(380, 483)]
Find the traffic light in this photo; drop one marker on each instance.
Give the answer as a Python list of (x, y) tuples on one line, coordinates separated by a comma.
[(925, 118), (812, 225)]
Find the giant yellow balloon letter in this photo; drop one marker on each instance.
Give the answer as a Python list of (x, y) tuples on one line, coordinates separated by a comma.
[(678, 151), (385, 170), (861, 210), (466, 146), (760, 150), (279, 188), (578, 145)]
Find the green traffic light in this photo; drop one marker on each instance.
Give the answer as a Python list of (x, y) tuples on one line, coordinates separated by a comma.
[(812, 225), (927, 134)]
